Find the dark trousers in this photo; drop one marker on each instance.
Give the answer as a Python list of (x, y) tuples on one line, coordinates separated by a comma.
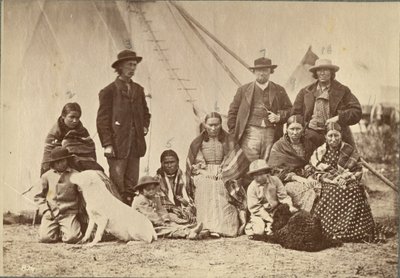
[(125, 174), (317, 138)]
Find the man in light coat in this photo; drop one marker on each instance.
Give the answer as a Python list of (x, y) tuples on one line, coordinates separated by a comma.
[(258, 112), (123, 120), (324, 101)]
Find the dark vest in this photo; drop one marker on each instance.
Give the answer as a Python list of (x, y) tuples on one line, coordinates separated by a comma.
[(259, 103)]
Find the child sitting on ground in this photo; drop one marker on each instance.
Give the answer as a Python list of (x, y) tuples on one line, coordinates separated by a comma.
[(264, 194), (149, 204), (59, 201)]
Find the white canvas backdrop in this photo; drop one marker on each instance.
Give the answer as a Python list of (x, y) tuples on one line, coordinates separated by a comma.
[(54, 52)]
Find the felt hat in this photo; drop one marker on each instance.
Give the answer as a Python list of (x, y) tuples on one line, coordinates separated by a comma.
[(324, 64), (126, 55), (257, 166), (145, 180), (263, 62), (59, 153)]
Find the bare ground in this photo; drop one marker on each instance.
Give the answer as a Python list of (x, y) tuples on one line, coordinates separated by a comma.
[(226, 257)]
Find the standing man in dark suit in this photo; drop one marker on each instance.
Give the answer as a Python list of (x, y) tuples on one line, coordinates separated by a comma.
[(324, 101), (258, 112), (123, 120)]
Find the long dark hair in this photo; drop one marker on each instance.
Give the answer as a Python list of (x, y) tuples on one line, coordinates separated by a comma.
[(295, 119), (221, 134), (168, 153), (333, 74)]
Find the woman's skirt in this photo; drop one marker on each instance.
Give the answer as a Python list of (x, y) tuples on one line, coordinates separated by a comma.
[(213, 209), (345, 213)]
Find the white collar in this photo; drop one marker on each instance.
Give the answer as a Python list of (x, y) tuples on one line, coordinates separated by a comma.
[(262, 86)]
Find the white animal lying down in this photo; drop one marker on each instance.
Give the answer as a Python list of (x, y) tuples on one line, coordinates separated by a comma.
[(109, 213)]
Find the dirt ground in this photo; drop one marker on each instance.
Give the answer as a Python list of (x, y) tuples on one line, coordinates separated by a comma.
[(225, 257)]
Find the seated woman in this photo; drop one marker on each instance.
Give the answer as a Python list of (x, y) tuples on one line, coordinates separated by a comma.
[(343, 208), (289, 156), (203, 171), (71, 134), (173, 189)]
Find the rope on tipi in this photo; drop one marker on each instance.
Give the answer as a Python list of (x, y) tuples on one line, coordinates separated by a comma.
[(164, 59)]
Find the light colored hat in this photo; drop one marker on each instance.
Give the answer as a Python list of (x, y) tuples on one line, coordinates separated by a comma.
[(145, 180), (259, 165), (324, 64)]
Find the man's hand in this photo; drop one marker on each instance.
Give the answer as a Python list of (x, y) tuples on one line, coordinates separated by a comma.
[(333, 119), (273, 118), (292, 209), (109, 152)]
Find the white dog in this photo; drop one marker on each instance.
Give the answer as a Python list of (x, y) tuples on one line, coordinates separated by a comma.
[(109, 213)]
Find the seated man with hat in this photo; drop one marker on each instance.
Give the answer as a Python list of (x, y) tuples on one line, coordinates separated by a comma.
[(59, 201), (258, 112), (325, 101), (264, 194), (149, 204)]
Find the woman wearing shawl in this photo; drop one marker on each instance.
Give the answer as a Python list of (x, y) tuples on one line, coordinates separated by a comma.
[(290, 157), (70, 133), (205, 185), (343, 208)]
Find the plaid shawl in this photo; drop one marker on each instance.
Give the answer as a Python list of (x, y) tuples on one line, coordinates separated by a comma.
[(178, 188), (234, 165), (348, 161)]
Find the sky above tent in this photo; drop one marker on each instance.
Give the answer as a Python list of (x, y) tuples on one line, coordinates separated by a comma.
[(55, 52), (361, 38)]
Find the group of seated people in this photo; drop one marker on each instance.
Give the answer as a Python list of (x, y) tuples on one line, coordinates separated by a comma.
[(201, 202)]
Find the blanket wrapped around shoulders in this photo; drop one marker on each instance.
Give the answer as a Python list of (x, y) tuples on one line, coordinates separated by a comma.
[(285, 159), (77, 141), (348, 163)]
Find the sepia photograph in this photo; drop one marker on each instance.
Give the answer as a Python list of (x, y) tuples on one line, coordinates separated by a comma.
[(199, 138)]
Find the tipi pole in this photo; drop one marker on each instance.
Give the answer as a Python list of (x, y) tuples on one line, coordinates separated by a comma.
[(216, 56), (380, 176), (195, 22)]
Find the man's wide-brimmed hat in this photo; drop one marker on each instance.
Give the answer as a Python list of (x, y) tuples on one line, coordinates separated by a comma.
[(126, 55), (59, 153), (263, 62), (258, 166), (145, 180), (324, 64)]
